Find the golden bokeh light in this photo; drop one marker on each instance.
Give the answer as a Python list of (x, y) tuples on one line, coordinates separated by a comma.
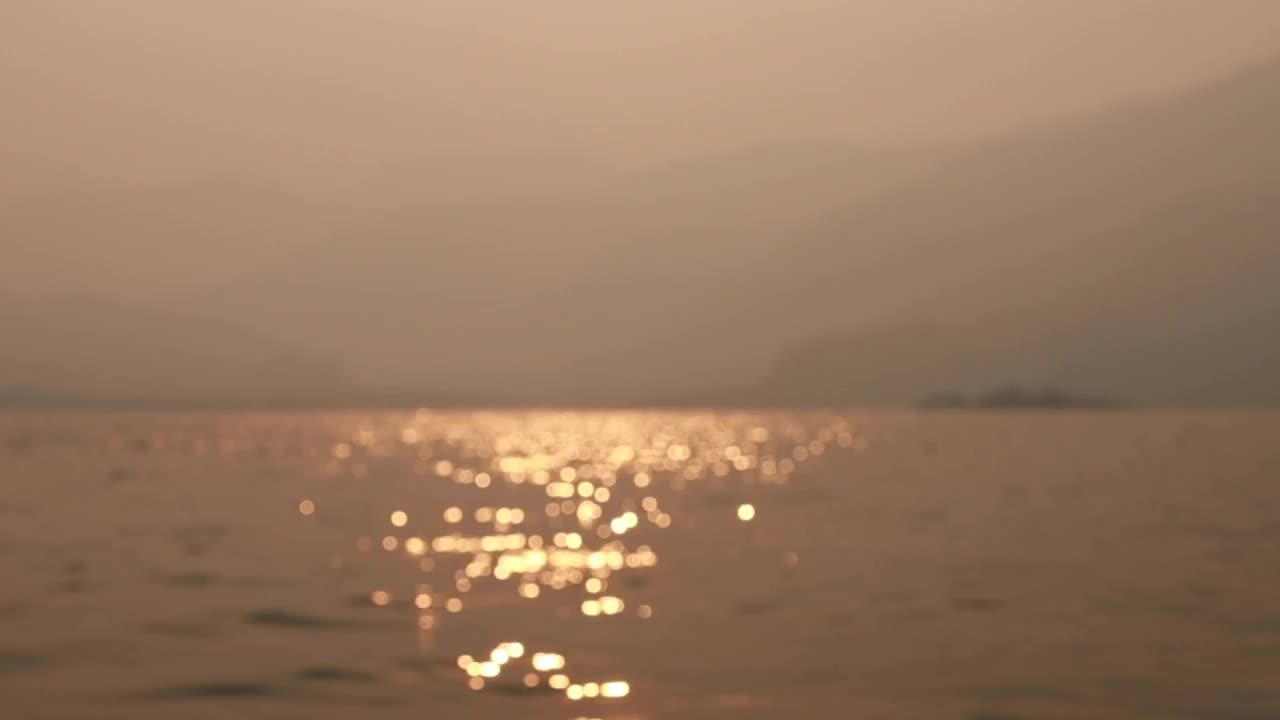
[(546, 662), (415, 546), (556, 511), (615, 689)]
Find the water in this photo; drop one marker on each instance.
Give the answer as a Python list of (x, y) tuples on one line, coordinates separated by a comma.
[(640, 565)]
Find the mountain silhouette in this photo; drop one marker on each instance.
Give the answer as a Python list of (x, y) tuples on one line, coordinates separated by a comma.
[(1131, 254), (1134, 255), (79, 349)]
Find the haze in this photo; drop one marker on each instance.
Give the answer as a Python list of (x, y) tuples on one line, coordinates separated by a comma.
[(544, 201), (333, 90)]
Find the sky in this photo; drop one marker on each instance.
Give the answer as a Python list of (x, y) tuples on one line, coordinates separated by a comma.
[(315, 94)]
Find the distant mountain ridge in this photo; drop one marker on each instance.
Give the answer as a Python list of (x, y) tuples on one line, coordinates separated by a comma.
[(1134, 254), (81, 350), (1137, 256)]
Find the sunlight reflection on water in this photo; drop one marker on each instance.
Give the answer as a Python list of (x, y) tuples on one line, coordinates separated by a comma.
[(639, 565), (582, 508)]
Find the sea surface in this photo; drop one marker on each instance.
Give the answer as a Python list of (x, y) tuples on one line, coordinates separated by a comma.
[(640, 565)]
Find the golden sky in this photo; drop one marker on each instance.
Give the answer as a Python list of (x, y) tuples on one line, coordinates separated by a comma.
[(329, 91)]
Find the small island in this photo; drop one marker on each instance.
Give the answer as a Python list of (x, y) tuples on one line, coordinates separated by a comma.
[(1017, 397)]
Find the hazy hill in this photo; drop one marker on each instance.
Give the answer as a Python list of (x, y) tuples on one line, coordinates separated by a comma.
[(83, 348), (1135, 255), (551, 285), (1131, 255)]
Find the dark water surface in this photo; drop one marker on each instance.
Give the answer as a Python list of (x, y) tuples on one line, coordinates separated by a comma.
[(1003, 566)]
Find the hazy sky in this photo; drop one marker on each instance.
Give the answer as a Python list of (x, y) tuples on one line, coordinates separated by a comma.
[(324, 92)]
